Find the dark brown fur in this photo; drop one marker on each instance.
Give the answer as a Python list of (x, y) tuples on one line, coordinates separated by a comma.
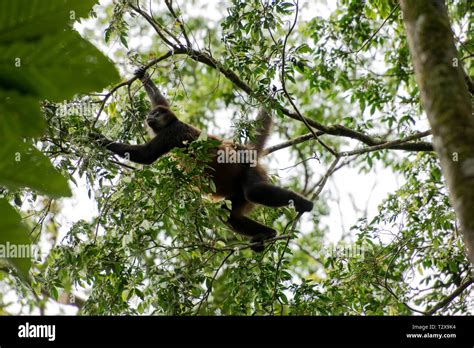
[(241, 183)]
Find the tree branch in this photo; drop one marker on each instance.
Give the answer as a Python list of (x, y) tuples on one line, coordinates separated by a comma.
[(451, 297), (395, 144), (205, 58), (400, 144), (447, 102)]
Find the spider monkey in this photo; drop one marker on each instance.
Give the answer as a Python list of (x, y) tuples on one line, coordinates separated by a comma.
[(244, 185)]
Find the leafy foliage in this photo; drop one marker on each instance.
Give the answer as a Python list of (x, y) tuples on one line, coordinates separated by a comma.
[(39, 58), (158, 244)]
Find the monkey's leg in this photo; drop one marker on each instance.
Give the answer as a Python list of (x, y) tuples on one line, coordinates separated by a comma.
[(251, 228), (274, 196), (241, 224)]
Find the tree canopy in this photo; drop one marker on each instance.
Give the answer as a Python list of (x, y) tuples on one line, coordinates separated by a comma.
[(358, 90)]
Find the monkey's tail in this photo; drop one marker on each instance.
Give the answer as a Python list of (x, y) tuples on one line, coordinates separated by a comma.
[(264, 125)]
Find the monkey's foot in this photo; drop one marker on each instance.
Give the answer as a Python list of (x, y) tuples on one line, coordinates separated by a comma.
[(259, 240), (258, 248), (303, 205), (99, 139)]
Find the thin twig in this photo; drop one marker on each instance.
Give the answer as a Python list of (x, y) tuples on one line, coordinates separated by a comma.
[(280, 259), (283, 83), (377, 31), (208, 291), (322, 182), (128, 83), (179, 21), (157, 29)]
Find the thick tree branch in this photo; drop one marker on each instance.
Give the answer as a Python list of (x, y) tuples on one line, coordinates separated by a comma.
[(337, 130), (395, 144), (205, 58), (406, 144), (447, 103)]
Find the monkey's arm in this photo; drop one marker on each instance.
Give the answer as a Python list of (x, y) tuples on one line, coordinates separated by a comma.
[(144, 154), (154, 94)]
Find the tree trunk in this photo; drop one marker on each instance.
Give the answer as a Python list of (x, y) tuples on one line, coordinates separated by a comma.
[(447, 103)]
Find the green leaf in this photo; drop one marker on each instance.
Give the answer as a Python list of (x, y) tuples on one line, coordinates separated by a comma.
[(29, 19), (125, 295), (283, 298), (20, 115), (22, 165), (54, 293), (123, 40), (212, 185), (48, 66), (139, 293), (14, 234), (304, 48)]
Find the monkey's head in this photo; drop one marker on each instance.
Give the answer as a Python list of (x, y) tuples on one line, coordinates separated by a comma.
[(160, 117)]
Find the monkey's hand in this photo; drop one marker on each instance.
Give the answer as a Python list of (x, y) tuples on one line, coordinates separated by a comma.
[(141, 73), (99, 139)]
